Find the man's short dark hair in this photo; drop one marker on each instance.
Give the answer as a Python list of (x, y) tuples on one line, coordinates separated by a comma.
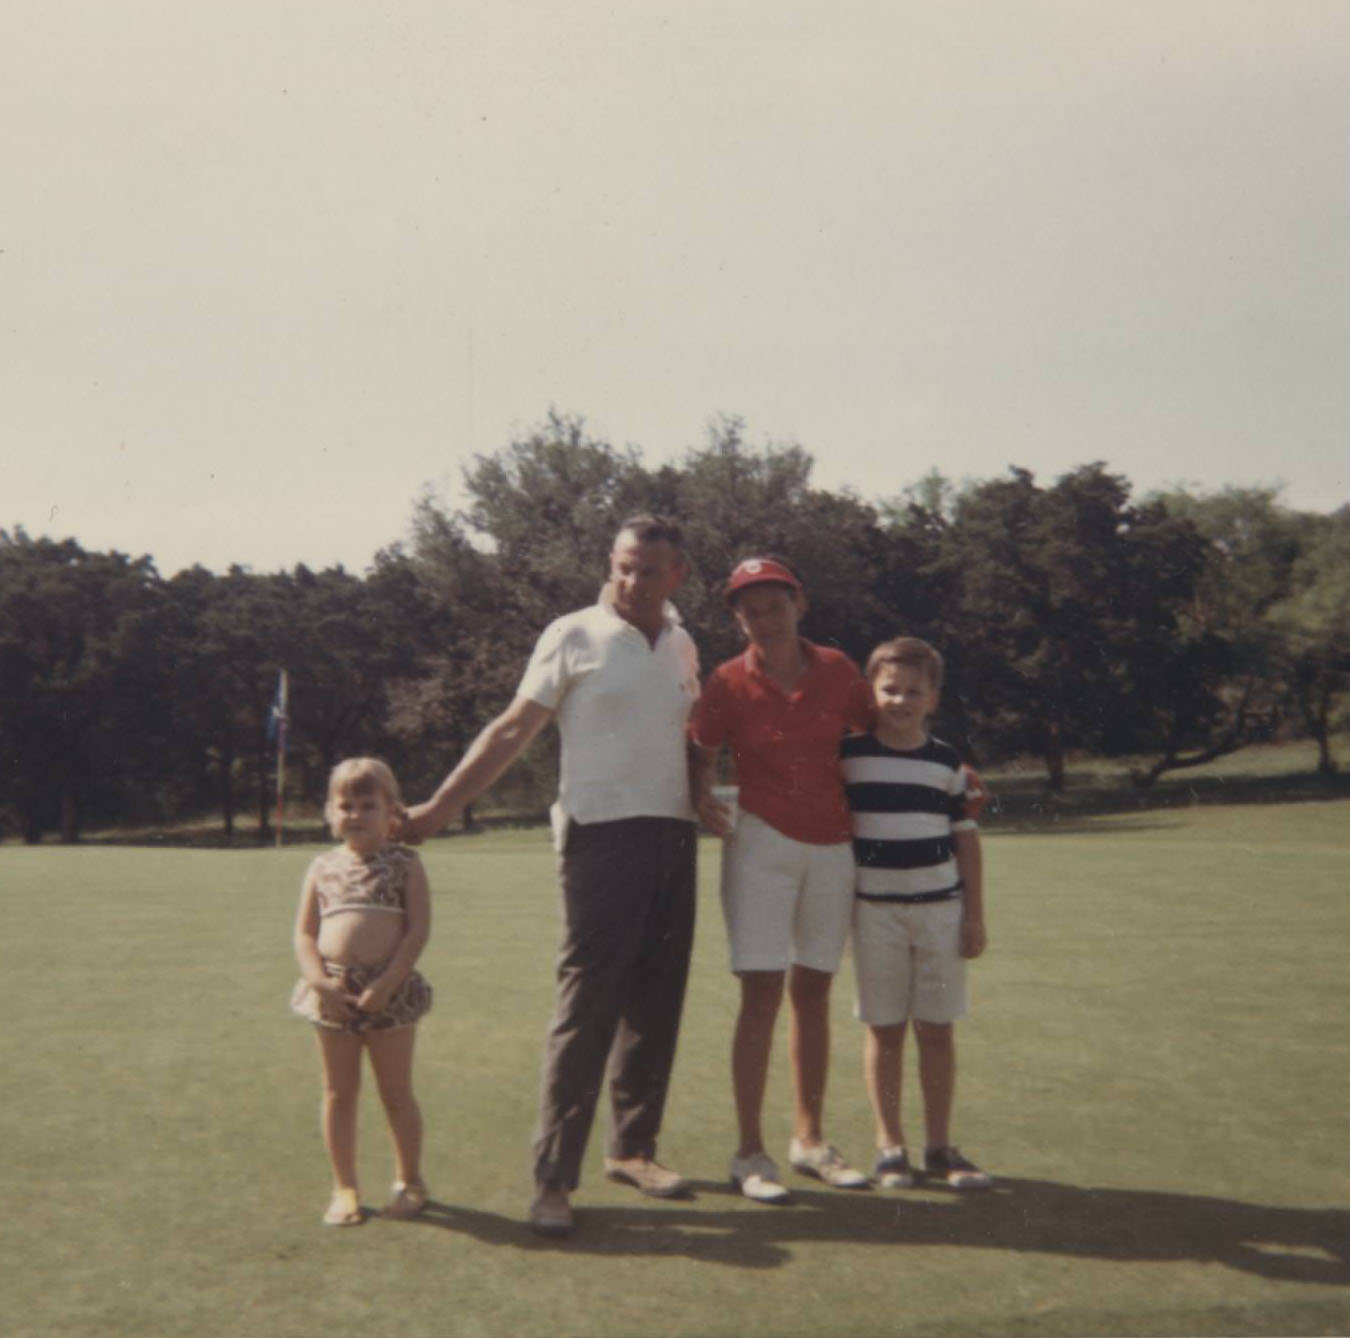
[(648, 528)]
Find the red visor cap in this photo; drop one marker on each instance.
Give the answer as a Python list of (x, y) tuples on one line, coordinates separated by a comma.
[(759, 571)]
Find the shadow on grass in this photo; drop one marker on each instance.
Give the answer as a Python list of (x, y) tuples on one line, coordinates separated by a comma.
[(1310, 1245)]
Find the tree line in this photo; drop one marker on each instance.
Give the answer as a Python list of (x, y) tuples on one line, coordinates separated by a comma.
[(1073, 617)]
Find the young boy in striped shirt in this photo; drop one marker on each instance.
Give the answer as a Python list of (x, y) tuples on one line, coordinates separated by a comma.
[(919, 907)]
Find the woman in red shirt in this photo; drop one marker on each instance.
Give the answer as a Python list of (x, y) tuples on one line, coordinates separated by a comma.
[(787, 864)]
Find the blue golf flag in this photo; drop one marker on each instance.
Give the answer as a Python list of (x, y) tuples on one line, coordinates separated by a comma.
[(276, 722)]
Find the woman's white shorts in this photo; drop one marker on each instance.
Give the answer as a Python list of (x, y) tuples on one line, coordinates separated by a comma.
[(785, 901), (907, 957)]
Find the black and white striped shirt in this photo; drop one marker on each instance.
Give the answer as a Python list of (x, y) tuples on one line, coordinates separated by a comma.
[(905, 807)]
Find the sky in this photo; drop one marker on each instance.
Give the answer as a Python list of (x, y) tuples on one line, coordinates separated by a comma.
[(272, 270)]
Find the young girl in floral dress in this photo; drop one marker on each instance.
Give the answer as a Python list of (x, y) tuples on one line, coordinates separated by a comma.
[(363, 921)]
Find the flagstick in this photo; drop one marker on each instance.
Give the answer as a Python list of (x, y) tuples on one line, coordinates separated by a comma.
[(283, 693), (281, 781)]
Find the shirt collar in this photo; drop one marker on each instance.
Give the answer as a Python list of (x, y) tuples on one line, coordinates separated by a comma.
[(669, 612), (754, 658)]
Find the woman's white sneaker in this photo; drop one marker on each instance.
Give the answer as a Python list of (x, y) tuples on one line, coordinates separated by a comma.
[(825, 1162)]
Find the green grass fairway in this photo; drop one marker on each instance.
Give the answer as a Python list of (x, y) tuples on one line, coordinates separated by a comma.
[(1156, 1067)]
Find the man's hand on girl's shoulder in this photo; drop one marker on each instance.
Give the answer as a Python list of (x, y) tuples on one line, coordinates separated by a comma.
[(413, 825)]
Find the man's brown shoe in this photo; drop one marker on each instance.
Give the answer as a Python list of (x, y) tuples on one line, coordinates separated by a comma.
[(647, 1176)]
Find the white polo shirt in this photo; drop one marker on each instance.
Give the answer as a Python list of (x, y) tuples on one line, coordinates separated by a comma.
[(621, 707)]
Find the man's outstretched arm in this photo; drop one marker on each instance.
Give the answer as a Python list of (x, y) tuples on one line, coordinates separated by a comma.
[(490, 754)]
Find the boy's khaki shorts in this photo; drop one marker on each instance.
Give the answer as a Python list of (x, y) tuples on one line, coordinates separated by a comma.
[(785, 902), (907, 957)]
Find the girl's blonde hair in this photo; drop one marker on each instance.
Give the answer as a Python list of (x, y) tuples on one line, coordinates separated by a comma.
[(358, 776)]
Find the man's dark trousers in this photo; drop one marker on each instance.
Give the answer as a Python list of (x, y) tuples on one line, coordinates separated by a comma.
[(628, 906)]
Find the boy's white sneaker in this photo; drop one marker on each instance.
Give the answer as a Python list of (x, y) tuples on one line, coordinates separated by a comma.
[(948, 1165), (756, 1177), (825, 1162), (892, 1169)]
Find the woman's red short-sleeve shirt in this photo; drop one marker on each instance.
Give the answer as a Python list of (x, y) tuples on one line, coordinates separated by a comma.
[(785, 745)]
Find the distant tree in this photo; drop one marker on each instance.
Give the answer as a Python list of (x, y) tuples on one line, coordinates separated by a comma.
[(242, 635), (81, 685), (1313, 621), (450, 674), (1070, 617), (1057, 601), (346, 641), (735, 501), (918, 582), (1223, 684), (198, 771), (531, 543), (546, 508), (478, 624)]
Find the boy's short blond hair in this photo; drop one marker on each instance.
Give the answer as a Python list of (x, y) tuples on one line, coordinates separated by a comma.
[(909, 652), (358, 776)]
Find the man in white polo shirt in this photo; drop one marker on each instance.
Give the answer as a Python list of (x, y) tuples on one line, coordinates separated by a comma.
[(619, 678)]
